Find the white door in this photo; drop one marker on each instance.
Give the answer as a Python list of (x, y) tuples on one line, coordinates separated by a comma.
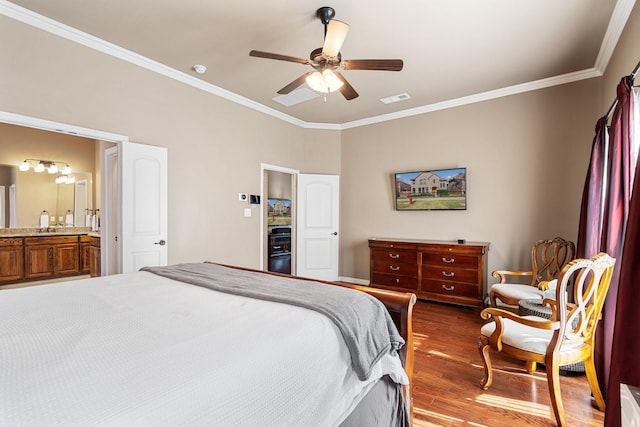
[(144, 205), (318, 221), (110, 229)]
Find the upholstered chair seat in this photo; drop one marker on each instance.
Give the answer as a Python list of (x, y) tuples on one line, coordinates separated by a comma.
[(514, 291), (532, 340)]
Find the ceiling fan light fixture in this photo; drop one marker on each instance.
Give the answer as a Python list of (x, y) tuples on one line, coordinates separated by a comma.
[(328, 58), (324, 82), (336, 34)]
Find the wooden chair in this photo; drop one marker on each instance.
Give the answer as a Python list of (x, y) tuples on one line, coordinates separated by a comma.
[(547, 259), (568, 337)]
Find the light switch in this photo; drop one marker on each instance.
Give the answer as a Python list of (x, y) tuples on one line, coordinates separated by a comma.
[(247, 211)]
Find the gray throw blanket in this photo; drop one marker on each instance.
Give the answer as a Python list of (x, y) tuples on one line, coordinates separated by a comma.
[(364, 322)]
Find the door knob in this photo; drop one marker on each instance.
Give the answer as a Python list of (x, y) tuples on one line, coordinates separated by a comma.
[(335, 233), (161, 243)]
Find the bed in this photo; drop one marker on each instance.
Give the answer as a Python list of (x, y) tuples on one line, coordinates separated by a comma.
[(204, 344)]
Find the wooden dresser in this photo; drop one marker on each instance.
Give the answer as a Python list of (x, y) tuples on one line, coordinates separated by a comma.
[(433, 270)]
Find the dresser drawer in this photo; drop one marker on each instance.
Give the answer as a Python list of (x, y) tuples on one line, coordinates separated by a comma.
[(450, 260), (447, 274), (391, 280), (450, 288), (395, 268), (390, 255), (386, 244)]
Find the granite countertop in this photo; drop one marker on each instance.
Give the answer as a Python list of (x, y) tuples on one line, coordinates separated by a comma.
[(49, 231)]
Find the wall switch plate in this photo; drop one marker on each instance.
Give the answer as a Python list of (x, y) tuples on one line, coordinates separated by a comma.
[(247, 211), (242, 197)]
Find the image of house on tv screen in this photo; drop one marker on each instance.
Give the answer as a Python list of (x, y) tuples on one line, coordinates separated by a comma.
[(279, 212), (441, 189)]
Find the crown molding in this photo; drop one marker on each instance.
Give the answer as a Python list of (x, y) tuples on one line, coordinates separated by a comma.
[(618, 20), (42, 124), (484, 96), (616, 25)]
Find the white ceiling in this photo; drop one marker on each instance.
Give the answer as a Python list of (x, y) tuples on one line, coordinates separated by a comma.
[(454, 52)]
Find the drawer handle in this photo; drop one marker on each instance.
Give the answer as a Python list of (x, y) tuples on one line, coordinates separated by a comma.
[(394, 268), (448, 288), (445, 274), (448, 260), (394, 256), (397, 280)]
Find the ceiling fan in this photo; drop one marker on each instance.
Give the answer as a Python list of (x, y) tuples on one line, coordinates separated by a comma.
[(327, 59)]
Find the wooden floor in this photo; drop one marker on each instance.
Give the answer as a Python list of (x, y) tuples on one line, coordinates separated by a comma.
[(448, 370)]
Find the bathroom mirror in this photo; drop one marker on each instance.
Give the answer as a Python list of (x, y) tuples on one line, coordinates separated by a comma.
[(24, 195)]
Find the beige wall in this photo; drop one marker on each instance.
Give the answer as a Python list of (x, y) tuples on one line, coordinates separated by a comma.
[(215, 147), (19, 143), (525, 157)]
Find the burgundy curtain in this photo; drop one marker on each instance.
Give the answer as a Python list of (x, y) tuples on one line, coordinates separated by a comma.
[(590, 230), (607, 232), (625, 352), (614, 220), (625, 344)]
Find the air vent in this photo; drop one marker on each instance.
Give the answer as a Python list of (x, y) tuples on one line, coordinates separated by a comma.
[(395, 98), (296, 97)]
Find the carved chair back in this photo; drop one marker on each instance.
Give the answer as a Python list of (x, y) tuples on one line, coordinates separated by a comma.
[(579, 319), (549, 257)]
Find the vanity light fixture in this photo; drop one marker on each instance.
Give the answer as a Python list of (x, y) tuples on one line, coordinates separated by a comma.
[(40, 165), (65, 179)]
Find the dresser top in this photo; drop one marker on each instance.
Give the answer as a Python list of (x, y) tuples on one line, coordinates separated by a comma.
[(428, 242)]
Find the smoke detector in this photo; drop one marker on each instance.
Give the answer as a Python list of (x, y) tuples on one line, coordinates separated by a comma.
[(200, 69)]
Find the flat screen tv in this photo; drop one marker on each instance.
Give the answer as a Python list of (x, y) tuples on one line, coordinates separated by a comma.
[(430, 190), (279, 212)]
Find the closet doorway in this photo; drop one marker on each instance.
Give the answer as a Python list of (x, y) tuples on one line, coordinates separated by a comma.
[(278, 219)]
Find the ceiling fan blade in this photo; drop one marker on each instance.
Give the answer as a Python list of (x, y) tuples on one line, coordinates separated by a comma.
[(294, 84), (268, 55), (333, 39), (346, 89), (373, 64)]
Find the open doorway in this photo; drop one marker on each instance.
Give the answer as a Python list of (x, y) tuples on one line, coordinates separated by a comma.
[(103, 141), (278, 219)]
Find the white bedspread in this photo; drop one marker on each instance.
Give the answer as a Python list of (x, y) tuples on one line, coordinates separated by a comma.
[(139, 349)]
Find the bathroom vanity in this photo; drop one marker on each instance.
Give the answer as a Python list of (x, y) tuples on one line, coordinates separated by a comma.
[(31, 254)]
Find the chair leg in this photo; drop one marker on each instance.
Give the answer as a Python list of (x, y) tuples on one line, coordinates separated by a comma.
[(492, 299), (483, 347), (592, 378), (530, 366), (553, 382)]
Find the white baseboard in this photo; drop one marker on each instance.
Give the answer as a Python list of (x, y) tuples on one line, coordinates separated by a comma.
[(361, 282)]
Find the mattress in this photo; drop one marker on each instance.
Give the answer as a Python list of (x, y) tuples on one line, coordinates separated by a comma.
[(140, 349)]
